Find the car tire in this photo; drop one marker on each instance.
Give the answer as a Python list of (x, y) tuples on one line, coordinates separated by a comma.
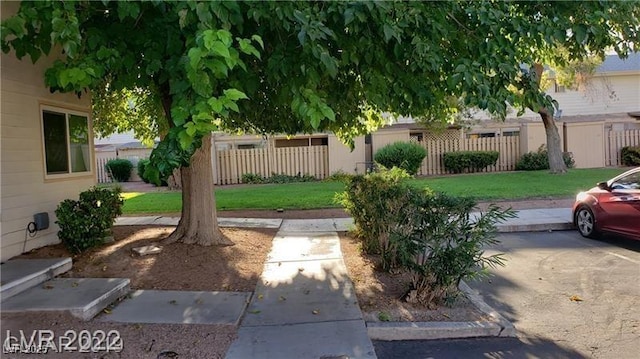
[(586, 222)]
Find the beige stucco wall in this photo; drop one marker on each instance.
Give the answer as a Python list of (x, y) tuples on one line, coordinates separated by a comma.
[(585, 140), (533, 135), (382, 138), (23, 188), (341, 158)]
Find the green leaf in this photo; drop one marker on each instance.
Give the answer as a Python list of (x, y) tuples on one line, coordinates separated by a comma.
[(225, 37), (232, 106), (581, 34), (204, 13), (179, 115), (190, 129), (209, 37), (348, 16), (388, 32), (258, 39), (302, 36), (329, 64), (195, 55), (328, 112), (215, 104), (234, 95), (220, 49), (185, 140)]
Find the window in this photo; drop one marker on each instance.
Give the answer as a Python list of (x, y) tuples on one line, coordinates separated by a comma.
[(66, 142), (630, 183)]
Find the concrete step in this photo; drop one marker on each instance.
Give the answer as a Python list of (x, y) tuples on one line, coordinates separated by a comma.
[(82, 297), (18, 275)]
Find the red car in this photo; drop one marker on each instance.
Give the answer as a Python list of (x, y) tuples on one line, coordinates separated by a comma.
[(613, 206)]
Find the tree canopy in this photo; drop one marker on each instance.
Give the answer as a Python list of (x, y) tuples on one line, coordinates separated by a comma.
[(306, 66)]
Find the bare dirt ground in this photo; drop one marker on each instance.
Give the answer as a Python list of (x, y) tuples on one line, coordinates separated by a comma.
[(232, 268)]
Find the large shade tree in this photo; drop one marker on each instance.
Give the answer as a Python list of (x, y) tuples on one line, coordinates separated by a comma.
[(293, 67)]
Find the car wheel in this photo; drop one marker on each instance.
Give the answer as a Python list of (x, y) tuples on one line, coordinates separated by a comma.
[(586, 222)]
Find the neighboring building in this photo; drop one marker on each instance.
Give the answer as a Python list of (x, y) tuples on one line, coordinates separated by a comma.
[(46, 151)]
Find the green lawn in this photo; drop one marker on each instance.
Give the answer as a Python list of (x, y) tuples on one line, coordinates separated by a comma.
[(308, 195)]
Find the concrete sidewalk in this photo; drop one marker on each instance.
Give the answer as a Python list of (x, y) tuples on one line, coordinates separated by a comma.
[(304, 305), (527, 220)]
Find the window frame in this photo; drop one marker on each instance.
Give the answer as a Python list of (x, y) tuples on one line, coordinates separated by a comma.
[(67, 112)]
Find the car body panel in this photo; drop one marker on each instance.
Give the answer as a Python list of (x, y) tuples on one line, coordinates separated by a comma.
[(615, 204)]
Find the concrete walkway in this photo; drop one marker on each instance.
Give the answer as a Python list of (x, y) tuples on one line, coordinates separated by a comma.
[(527, 220), (304, 305)]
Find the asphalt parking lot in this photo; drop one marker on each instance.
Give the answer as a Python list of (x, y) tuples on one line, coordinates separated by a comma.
[(568, 297)]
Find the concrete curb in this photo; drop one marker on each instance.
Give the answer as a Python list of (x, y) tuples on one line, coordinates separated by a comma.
[(540, 227), (498, 327)]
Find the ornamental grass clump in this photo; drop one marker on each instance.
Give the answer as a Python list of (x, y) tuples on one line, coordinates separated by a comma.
[(432, 237)]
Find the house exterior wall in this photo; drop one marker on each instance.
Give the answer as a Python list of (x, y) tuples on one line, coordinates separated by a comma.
[(24, 190), (606, 93)]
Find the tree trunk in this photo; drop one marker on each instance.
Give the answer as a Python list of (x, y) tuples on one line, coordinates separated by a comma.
[(174, 182), (198, 223), (554, 148)]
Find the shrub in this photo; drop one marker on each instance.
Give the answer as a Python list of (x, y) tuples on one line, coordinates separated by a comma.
[(471, 161), (630, 155), (432, 237), (539, 160), (282, 178), (142, 166), (372, 200), (85, 223), (439, 243), (405, 155), (252, 178), (339, 176), (119, 169)]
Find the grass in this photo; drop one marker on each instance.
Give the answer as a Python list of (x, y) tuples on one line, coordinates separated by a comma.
[(309, 195)]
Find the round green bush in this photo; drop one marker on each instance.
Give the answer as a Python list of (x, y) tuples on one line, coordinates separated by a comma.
[(405, 155), (119, 169)]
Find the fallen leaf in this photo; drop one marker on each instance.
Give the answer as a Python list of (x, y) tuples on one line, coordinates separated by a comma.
[(315, 312), (173, 302), (255, 311), (74, 284), (260, 296), (446, 316), (47, 286), (198, 301), (306, 291), (575, 298), (104, 268), (282, 298), (106, 311)]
